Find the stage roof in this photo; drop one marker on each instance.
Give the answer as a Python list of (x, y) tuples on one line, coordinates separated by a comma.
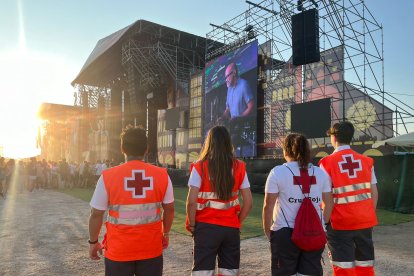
[(105, 62)]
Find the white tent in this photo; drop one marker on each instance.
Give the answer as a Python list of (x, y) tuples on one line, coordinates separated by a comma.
[(405, 140)]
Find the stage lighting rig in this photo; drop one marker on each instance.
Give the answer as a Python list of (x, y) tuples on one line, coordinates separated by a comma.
[(250, 32)]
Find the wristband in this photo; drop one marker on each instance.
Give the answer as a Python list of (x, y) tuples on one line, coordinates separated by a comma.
[(93, 242), (166, 234)]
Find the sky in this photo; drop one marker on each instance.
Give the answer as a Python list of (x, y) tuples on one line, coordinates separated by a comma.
[(44, 44)]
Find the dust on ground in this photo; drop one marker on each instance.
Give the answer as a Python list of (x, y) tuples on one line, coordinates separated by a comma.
[(46, 232)]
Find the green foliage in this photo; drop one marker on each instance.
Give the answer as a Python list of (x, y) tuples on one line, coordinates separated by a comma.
[(252, 226)]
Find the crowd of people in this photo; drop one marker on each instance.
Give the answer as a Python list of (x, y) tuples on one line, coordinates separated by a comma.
[(35, 174), (139, 200)]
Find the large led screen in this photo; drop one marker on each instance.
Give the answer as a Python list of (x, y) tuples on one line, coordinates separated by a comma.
[(312, 119), (231, 97)]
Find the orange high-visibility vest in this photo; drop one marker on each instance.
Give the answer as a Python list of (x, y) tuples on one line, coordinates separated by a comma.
[(134, 226), (351, 175), (212, 210)]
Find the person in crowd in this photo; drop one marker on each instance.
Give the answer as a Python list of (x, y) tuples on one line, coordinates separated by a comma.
[(72, 174), (54, 173), (10, 174), (64, 173), (284, 193), (97, 170), (46, 173), (31, 170), (214, 215), (355, 198), (137, 230), (86, 174), (39, 175)]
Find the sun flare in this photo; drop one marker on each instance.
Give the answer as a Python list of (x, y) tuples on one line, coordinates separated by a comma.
[(28, 80)]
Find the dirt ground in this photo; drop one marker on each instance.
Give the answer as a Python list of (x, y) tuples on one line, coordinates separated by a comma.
[(45, 233)]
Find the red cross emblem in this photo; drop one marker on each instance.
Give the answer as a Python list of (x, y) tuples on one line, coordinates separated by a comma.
[(138, 184), (349, 165), (305, 180)]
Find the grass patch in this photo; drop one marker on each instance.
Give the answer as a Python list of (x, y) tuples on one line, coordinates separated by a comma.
[(392, 218), (82, 193), (252, 226)]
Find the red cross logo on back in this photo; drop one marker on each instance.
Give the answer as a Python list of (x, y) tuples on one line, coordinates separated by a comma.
[(305, 180), (138, 184), (349, 165)]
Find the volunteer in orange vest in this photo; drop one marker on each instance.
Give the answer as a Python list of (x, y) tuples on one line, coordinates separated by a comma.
[(355, 197), (284, 192), (137, 230), (214, 215)]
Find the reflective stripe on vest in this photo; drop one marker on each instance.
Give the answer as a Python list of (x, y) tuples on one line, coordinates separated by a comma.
[(212, 195), (134, 214), (337, 192), (368, 263), (343, 264), (226, 271), (202, 273), (353, 198), (351, 188), (218, 205)]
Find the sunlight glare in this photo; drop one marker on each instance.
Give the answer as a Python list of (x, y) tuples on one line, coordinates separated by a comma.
[(28, 80)]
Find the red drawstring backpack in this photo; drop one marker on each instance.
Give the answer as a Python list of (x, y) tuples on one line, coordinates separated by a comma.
[(308, 233)]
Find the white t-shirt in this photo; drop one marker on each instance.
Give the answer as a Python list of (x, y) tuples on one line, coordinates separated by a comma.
[(345, 147), (195, 180), (99, 199), (98, 169), (280, 180)]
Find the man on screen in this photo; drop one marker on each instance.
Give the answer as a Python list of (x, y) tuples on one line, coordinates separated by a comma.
[(239, 107), (239, 102)]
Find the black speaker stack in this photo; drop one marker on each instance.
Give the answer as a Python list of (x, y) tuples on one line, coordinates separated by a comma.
[(305, 37)]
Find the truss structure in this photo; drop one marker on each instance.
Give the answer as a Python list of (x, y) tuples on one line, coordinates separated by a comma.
[(352, 64), (92, 96), (153, 54)]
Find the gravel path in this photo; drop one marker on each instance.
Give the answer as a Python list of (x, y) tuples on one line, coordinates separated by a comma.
[(45, 233)]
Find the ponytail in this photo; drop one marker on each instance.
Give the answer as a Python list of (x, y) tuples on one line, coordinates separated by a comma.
[(296, 146)]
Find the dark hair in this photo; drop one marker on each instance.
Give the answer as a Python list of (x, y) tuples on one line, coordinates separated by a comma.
[(296, 146), (343, 131), (134, 141), (218, 151)]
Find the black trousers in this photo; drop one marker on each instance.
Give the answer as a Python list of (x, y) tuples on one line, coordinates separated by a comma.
[(288, 259), (213, 241), (146, 267), (350, 245)]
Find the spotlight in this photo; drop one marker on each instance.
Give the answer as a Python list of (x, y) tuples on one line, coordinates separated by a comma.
[(248, 28)]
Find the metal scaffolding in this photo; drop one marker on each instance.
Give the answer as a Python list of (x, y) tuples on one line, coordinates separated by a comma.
[(91, 96), (159, 57), (352, 62)]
